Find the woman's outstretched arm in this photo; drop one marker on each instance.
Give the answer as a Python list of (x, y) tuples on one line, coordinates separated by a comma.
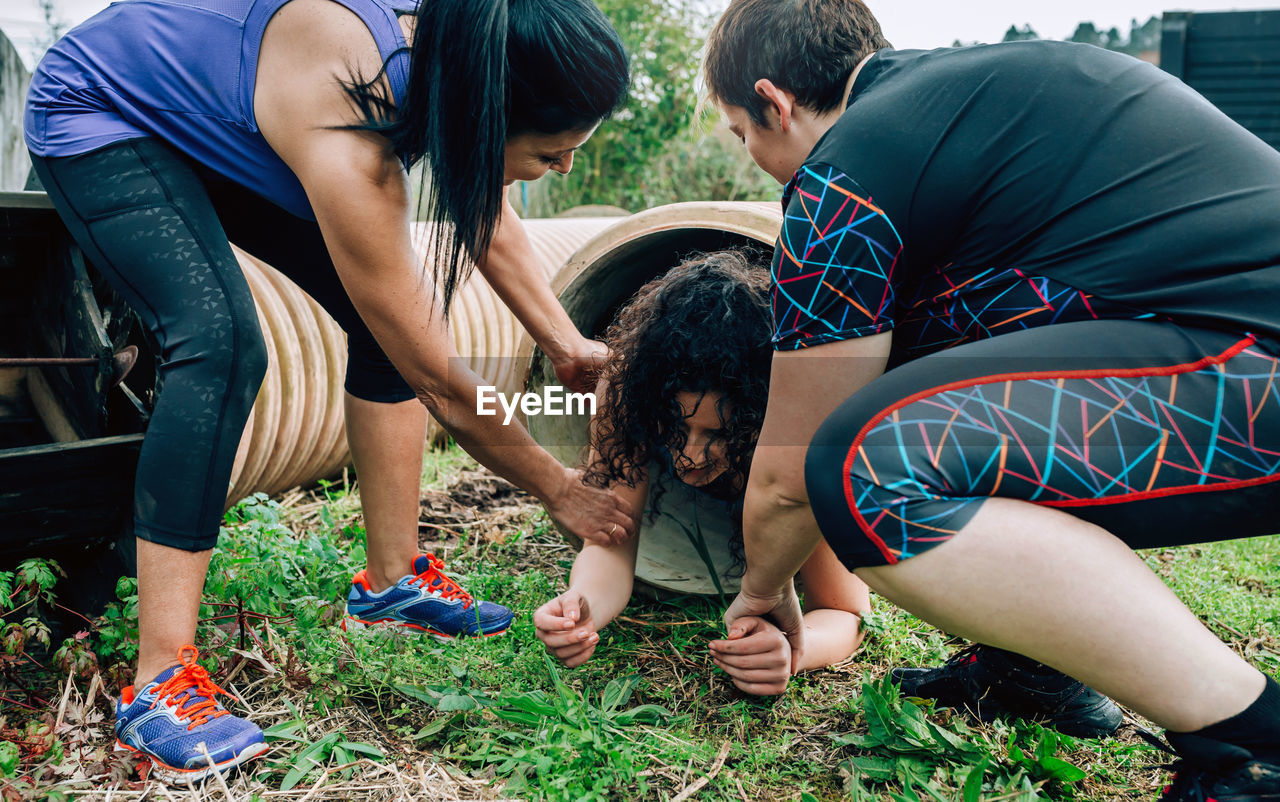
[(599, 583), (834, 601), (511, 268), (599, 588)]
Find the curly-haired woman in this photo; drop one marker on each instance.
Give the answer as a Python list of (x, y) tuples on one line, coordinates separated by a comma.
[(684, 391)]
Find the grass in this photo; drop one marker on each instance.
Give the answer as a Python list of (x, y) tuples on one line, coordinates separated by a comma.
[(380, 715)]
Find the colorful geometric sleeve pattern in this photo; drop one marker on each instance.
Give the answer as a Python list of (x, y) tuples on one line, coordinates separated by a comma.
[(956, 305), (918, 471), (833, 268)]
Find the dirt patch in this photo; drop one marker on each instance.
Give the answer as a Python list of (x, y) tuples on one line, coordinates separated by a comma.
[(475, 499), (1258, 586)]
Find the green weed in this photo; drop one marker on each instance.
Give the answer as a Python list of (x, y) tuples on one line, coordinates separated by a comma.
[(558, 745), (912, 755), (647, 717), (333, 753)]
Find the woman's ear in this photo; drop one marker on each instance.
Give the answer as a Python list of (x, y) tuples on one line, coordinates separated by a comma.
[(782, 102)]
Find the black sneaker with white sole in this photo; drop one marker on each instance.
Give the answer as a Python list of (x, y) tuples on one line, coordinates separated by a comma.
[(1213, 771), (991, 683)]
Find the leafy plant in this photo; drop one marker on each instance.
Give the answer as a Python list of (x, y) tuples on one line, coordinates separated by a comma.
[(1042, 761), (29, 747), (26, 597), (904, 747), (8, 759), (333, 752), (564, 745), (116, 634), (246, 586), (24, 594)]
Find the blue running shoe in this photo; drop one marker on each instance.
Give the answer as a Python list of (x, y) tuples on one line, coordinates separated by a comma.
[(426, 600), (176, 720)]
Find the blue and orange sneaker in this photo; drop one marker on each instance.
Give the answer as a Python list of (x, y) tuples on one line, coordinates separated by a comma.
[(181, 727), (426, 600)]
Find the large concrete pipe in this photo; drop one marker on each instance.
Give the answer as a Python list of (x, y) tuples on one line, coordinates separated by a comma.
[(593, 284), (296, 433)]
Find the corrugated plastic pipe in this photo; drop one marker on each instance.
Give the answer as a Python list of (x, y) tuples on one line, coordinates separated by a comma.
[(295, 434)]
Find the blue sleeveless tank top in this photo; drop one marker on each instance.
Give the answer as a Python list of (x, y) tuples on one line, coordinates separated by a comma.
[(182, 71)]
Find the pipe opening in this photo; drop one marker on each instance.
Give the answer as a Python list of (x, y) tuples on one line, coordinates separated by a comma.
[(594, 284)]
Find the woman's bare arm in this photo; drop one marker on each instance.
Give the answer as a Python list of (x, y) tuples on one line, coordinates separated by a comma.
[(511, 268), (835, 601), (360, 194), (604, 574)]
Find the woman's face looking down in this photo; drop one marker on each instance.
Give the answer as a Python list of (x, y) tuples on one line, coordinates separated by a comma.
[(703, 459), (530, 155)]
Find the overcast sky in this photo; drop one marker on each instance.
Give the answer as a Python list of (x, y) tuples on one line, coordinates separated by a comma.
[(907, 23)]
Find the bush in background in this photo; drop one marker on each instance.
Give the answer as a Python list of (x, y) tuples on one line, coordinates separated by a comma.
[(658, 149)]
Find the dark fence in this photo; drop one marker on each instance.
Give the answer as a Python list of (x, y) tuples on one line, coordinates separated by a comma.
[(1233, 59)]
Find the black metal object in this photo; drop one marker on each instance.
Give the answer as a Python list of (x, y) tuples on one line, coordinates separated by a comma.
[(118, 364), (1233, 59), (71, 427), (46, 361)]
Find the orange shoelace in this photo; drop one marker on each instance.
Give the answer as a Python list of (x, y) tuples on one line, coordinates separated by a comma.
[(187, 686), (434, 579)]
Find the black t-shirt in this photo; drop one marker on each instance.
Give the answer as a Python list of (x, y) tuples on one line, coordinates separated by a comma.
[(981, 189)]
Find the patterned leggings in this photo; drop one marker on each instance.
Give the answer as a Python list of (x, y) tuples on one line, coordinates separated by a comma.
[(157, 227), (1162, 434)]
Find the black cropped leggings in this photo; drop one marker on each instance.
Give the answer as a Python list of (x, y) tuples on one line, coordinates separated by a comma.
[(1162, 434), (157, 227)]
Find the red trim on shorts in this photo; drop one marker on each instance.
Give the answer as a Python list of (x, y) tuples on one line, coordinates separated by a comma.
[(1181, 490), (1171, 370), (847, 478)]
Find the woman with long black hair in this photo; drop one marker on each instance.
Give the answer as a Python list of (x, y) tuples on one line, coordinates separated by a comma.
[(161, 128)]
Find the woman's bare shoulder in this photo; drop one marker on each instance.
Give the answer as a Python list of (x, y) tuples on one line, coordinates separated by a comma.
[(308, 49)]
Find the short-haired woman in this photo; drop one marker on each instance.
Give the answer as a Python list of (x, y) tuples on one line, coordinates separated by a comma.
[(1069, 264)]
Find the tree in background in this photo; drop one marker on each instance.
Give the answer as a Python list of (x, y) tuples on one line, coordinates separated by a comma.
[(659, 148), (1016, 34), (1087, 33), (54, 25), (1142, 37)]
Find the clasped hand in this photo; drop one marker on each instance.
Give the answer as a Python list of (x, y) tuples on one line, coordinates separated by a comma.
[(579, 368), (757, 655), (781, 607)]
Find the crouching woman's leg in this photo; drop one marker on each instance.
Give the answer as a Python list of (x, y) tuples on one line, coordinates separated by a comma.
[(997, 490)]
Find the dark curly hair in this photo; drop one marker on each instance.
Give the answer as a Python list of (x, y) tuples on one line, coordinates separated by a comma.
[(704, 326)]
